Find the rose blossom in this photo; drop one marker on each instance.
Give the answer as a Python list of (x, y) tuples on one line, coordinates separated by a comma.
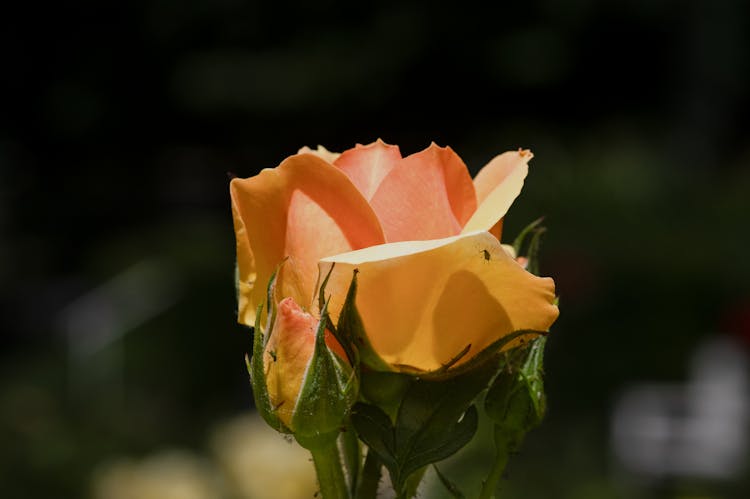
[(434, 282)]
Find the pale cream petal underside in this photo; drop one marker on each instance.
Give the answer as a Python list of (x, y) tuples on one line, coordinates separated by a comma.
[(498, 184)]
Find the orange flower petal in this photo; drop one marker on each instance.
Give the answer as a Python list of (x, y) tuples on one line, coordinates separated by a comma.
[(303, 210), (246, 271), (497, 185), (366, 166), (427, 195), (424, 302)]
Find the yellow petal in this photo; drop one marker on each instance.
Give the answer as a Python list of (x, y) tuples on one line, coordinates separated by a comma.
[(423, 302), (497, 185), (303, 210)]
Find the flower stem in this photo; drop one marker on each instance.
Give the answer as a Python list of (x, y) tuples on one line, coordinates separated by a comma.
[(490, 484), (368, 485), (328, 467), (352, 457), (503, 447)]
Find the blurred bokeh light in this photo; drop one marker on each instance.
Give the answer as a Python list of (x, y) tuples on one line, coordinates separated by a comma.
[(120, 356)]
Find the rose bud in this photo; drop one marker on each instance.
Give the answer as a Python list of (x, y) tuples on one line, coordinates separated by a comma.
[(309, 382)]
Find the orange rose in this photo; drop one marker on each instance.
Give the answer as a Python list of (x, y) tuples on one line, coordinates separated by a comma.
[(434, 281)]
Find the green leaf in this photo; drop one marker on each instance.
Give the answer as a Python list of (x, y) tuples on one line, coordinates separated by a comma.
[(429, 407), (375, 429), (435, 419), (433, 449)]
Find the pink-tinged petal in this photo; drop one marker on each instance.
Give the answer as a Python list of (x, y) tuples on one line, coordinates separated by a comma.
[(366, 166), (424, 302), (303, 210), (497, 185), (320, 152), (427, 195), (288, 353)]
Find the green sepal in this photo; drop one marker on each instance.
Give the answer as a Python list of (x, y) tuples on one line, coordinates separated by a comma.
[(351, 331), (481, 358), (516, 401), (533, 251), (533, 232), (255, 364), (271, 302), (343, 330), (521, 238), (258, 378), (328, 392)]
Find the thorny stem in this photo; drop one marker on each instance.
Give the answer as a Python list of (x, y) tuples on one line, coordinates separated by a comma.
[(328, 467), (368, 485)]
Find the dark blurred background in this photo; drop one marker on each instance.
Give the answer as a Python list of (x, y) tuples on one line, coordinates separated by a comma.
[(119, 123)]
